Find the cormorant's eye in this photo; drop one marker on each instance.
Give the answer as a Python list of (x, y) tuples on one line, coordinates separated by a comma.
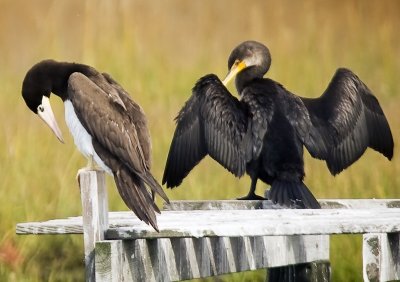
[(40, 108)]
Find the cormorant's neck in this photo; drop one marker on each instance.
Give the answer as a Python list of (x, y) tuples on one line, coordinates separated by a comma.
[(248, 75)]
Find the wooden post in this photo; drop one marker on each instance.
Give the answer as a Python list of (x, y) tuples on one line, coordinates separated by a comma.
[(94, 215), (307, 272), (381, 256)]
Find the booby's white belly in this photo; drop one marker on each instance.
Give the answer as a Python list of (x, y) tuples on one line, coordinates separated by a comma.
[(82, 139)]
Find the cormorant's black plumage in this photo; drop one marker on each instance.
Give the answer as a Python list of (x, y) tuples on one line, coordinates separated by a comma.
[(117, 126), (264, 132)]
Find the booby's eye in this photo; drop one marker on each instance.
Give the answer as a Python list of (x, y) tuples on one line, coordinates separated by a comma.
[(40, 108)]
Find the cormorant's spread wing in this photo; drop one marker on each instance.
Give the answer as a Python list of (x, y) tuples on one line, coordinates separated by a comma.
[(211, 122), (345, 120)]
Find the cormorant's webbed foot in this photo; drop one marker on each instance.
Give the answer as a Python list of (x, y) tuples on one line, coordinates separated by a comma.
[(251, 196)]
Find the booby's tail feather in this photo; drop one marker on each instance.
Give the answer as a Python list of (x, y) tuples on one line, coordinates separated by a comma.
[(154, 185), (136, 196)]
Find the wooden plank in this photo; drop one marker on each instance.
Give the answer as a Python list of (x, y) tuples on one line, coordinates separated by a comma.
[(187, 258), (73, 225), (263, 222), (381, 257), (94, 215), (235, 223), (266, 204)]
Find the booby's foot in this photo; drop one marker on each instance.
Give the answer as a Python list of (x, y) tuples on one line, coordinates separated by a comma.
[(85, 169), (91, 166), (251, 196)]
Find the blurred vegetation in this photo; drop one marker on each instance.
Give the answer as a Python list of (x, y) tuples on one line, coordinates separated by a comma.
[(157, 50)]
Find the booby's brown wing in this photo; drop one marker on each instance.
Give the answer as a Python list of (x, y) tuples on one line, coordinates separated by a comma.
[(106, 122), (104, 84), (211, 122), (137, 117), (346, 119), (111, 127)]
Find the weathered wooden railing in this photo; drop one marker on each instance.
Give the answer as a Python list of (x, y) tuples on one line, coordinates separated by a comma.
[(200, 239)]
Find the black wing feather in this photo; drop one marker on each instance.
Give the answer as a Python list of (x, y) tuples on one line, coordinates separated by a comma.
[(211, 122), (344, 122)]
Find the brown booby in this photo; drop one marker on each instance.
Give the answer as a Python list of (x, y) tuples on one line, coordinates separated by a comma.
[(265, 131), (108, 127)]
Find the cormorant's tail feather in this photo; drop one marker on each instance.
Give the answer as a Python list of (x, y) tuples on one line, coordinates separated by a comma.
[(292, 195)]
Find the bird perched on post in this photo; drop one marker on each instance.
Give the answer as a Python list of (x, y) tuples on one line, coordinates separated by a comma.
[(108, 127), (265, 131)]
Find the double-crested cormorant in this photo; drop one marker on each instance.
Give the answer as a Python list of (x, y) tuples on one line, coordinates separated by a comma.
[(264, 132), (108, 127)]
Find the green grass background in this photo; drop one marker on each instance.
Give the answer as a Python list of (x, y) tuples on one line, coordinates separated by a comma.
[(157, 50)]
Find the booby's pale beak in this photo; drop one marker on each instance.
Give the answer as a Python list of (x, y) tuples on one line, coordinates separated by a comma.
[(46, 114), (237, 67)]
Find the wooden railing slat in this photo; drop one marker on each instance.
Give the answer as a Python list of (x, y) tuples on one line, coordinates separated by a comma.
[(176, 259)]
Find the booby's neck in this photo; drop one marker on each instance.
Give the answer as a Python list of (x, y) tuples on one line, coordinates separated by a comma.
[(60, 73), (49, 76)]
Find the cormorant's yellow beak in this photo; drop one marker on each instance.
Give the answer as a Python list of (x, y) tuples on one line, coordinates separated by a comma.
[(237, 67)]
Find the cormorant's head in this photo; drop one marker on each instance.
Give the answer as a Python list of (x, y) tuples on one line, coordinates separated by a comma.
[(36, 90), (251, 56)]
